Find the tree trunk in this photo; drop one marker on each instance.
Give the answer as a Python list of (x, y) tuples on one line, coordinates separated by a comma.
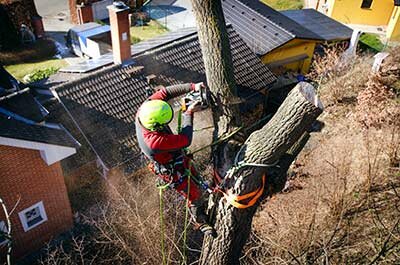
[(215, 47), (217, 57), (265, 146)]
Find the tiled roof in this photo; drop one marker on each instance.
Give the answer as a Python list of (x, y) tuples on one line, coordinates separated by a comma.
[(24, 104), (327, 28), (16, 129), (7, 82), (183, 62), (104, 104), (262, 27), (161, 40), (22, 117)]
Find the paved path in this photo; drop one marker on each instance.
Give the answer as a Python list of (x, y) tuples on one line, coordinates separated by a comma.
[(56, 22), (173, 14)]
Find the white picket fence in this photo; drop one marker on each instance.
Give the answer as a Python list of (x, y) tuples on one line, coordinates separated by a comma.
[(100, 10)]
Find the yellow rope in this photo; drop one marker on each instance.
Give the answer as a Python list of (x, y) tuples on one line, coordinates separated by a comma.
[(164, 258), (186, 214)]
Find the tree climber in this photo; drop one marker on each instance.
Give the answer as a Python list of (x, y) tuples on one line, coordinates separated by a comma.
[(166, 150)]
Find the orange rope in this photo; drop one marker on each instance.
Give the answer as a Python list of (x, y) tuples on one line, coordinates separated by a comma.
[(235, 200)]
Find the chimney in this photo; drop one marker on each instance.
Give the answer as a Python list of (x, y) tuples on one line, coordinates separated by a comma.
[(120, 35)]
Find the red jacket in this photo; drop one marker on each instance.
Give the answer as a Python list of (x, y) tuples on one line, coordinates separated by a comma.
[(163, 146)]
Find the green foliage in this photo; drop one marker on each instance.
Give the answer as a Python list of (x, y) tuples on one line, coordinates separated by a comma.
[(284, 4), (372, 41), (42, 74)]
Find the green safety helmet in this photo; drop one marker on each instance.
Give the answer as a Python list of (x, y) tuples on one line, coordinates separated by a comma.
[(154, 114)]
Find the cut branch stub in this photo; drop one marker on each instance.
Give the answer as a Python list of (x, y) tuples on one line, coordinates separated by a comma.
[(296, 114)]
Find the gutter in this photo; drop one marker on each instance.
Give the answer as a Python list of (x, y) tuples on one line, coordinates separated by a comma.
[(99, 160)]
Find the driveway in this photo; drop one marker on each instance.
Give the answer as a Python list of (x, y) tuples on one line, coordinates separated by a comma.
[(56, 22), (173, 14)]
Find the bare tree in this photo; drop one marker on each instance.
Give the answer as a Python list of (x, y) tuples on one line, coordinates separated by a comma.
[(264, 148)]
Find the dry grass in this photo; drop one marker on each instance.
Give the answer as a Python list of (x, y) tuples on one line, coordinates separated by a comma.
[(339, 82), (342, 204)]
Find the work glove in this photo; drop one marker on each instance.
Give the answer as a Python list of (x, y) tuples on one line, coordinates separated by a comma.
[(197, 86), (194, 107)]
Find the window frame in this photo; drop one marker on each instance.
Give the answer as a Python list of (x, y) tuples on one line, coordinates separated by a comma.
[(24, 221), (366, 1)]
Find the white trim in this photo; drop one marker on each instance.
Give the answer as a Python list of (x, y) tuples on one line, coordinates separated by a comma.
[(3, 228), (50, 153), (23, 220)]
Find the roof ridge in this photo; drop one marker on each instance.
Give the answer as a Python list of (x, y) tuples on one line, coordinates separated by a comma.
[(279, 13), (188, 34), (180, 40), (272, 22), (98, 74)]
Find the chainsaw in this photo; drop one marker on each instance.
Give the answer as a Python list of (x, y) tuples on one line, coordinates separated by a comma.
[(202, 95)]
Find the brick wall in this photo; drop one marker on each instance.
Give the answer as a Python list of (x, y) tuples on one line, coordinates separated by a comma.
[(24, 174)]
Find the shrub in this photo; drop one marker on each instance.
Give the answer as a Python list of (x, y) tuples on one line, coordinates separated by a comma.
[(40, 74), (338, 80)]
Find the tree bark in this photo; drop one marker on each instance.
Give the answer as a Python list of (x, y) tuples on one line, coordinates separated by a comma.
[(215, 46), (265, 146)]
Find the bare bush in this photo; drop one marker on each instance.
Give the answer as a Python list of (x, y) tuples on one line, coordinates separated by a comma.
[(378, 104), (125, 228), (338, 82)]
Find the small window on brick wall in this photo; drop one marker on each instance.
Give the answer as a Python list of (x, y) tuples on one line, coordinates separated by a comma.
[(366, 4), (3, 231), (33, 216)]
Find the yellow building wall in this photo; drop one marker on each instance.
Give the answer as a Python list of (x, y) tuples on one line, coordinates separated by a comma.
[(291, 49), (393, 29), (350, 12)]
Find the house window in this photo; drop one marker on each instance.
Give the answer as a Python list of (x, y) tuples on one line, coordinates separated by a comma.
[(33, 216), (366, 4), (3, 229)]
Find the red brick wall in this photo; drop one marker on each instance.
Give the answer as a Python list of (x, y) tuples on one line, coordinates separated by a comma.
[(73, 12), (24, 174), (119, 23)]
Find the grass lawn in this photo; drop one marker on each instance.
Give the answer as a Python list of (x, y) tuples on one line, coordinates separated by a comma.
[(151, 30), (284, 4), (28, 59), (22, 69)]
